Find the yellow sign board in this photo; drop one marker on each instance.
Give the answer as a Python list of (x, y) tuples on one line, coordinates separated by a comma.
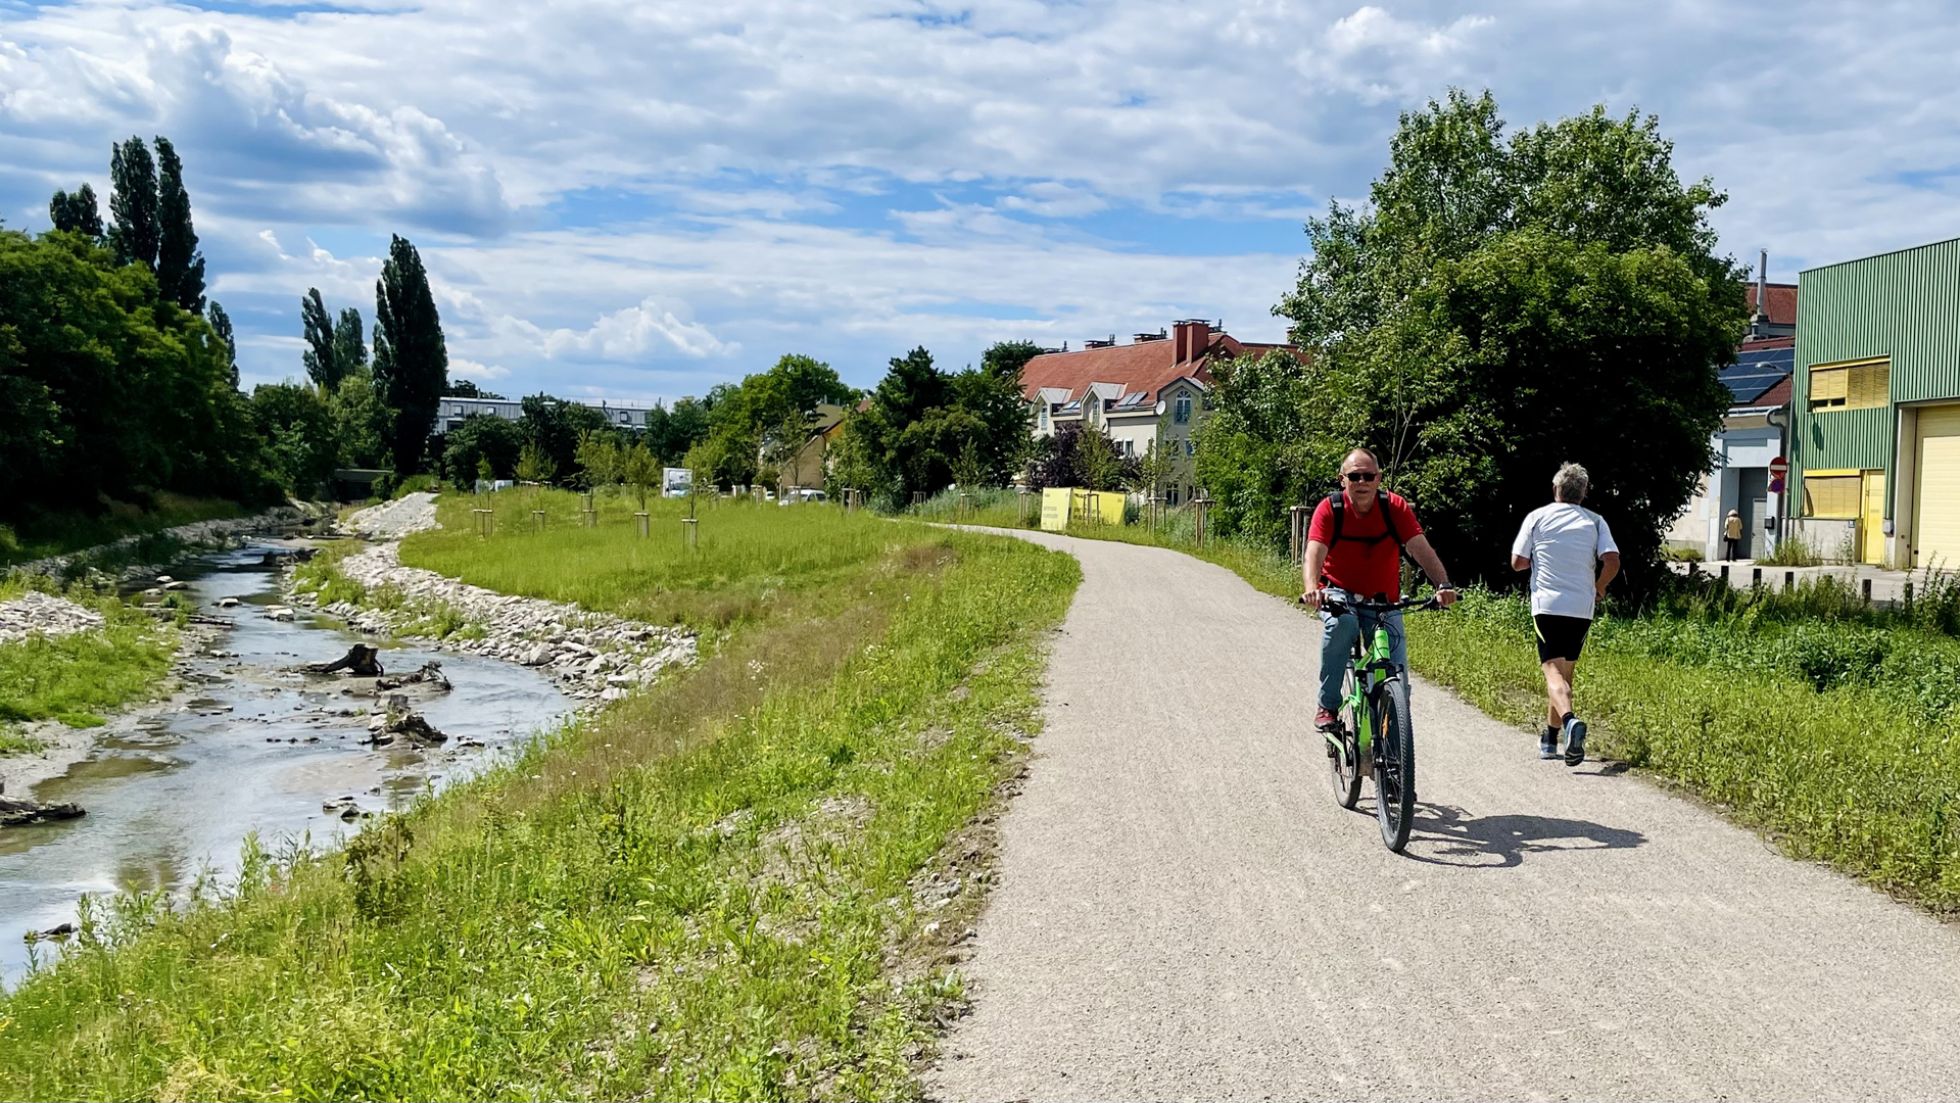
[(1093, 507), (1054, 509)]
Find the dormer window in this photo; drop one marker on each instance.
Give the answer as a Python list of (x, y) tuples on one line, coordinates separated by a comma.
[(1181, 410)]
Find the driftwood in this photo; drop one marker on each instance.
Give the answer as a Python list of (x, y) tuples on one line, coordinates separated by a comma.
[(361, 660), (400, 721), (19, 813), (430, 675)]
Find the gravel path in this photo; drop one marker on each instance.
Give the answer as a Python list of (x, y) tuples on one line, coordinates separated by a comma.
[(1184, 912)]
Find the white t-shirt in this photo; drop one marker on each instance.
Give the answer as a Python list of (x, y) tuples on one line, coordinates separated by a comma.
[(1563, 542)]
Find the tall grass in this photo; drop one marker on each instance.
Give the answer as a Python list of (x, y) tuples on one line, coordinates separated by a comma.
[(739, 884), (994, 507), (76, 678), (1833, 737)]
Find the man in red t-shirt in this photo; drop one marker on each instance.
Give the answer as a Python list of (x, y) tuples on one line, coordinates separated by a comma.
[(1363, 560)]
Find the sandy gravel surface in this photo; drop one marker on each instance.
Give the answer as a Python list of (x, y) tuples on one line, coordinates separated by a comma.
[(1184, 912)]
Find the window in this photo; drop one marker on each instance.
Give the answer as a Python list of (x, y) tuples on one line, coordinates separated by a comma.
[(1851, 386), (1831, 496), (1181, 413), (1044, 415)]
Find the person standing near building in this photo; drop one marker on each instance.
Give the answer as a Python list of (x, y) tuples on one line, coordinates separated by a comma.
[(1571, 556), (1732, 535)]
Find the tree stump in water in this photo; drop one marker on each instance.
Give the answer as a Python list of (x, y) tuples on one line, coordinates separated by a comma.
[(431, 674), (361, 660), (19, 813)]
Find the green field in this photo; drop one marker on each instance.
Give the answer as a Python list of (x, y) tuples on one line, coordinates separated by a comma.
[(746, 882)]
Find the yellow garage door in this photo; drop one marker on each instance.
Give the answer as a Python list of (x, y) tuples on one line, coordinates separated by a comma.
[(1937, 510)]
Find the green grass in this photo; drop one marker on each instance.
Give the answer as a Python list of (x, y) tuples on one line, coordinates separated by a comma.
[(750, 556), (76, 678), (62, 533), (1836, 744), (724, 887)]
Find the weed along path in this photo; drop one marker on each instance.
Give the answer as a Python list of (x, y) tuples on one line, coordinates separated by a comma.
[(1184, 912)]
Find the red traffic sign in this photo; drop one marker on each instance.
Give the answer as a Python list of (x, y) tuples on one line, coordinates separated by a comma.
[(1779, 467)]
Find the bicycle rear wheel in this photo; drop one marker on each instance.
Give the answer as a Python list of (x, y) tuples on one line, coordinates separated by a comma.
[(1395, 766), (1343, 752)]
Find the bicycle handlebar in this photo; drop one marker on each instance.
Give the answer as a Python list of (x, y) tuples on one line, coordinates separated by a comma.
[(1353, 604)]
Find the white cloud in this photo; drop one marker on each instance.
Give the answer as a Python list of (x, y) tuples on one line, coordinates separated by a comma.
[(848, 180)]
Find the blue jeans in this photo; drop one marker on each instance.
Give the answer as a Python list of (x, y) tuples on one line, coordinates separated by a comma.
[(1337, 642)]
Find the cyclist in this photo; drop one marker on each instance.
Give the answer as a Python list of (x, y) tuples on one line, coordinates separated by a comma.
[(1559, 544), (1354, 546)]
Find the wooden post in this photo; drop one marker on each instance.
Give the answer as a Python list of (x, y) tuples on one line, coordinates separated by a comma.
[(537, 519), (1201, 506), (1296, 529), (966, 506), (644, 526), (690, 533)]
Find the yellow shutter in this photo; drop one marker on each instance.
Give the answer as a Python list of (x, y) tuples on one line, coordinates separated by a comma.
[(1831, 496), (1870, 386), (1828, 385), (1936, 522)]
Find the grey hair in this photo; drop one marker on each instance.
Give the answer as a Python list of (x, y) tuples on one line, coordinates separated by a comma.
[(1571, 483)]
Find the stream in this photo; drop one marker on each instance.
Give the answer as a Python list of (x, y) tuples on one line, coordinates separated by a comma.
[(250, 747)]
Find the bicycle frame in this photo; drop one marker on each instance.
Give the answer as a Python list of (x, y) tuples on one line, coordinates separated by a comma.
[(1372, 670)]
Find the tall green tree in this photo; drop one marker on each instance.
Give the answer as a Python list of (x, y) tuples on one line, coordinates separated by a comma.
[(350, 353), (221, 326), (76, 212), (555, 426), (299, 432), (135, 227), (481, 439), (180, 266), (411, 362), (322, 355), (1502, 305), (1005, 359)]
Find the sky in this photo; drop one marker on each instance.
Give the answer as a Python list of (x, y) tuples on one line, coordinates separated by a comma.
[(639, 200)]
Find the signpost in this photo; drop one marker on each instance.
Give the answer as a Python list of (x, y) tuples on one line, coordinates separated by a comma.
[(1779, 469)]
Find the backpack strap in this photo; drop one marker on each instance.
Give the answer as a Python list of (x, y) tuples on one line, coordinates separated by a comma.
[(1338, 504)]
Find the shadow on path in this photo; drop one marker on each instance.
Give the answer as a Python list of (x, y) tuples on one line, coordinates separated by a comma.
[(1449, 836)]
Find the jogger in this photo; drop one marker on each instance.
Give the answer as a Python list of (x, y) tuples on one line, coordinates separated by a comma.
[(1571, 555)]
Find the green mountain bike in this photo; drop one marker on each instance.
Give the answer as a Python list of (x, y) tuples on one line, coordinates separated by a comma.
[(1376, 736)]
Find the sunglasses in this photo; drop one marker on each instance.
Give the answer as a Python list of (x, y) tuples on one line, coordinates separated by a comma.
[(1362, 476)]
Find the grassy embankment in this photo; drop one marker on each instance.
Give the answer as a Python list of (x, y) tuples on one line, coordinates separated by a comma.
[(1826, 725), (76, 678), (741, 883), (63, 533)]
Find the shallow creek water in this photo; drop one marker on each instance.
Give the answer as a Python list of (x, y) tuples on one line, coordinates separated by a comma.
[(254, 747)]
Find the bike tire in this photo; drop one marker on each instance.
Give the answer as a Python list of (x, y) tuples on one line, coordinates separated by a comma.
[(1344, 765), (1395, 766)]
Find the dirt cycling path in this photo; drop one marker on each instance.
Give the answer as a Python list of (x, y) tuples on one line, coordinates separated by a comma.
[(1183, 912)]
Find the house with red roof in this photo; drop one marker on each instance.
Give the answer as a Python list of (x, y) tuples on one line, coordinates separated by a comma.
[(1156, 387), (1752, 434)]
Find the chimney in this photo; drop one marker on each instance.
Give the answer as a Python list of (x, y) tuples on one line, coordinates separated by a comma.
[(1190, 338), (1759, 321)]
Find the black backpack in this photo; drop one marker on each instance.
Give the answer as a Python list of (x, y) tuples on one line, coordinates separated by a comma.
[(1338, 503)]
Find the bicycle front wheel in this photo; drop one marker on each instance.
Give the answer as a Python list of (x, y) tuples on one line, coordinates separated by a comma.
[(1343, 750), (1395, 766)]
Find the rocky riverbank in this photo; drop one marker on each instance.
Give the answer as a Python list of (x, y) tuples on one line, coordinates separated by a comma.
[(37, 614), (589, 656), (188, 539)]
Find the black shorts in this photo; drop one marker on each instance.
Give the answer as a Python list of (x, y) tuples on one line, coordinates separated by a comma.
[(1560, 637)]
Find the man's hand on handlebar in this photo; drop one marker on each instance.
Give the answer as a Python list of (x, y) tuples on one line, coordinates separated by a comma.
[(1313, 596), (1446, 596)]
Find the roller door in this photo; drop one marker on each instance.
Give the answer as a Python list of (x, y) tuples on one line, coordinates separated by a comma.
[(1937, 510)]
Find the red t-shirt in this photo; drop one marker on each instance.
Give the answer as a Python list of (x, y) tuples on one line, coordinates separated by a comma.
[(1358, 562)]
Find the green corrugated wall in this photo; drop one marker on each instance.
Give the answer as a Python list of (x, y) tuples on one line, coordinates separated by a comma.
[(1903, 305)]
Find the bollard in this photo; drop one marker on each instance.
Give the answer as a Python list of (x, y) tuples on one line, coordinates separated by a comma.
[(644, 528), (592, 518), (1866, 586), (690, 533), (1789, 579), (537, 518), (1725, 574), (1755, 578)]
